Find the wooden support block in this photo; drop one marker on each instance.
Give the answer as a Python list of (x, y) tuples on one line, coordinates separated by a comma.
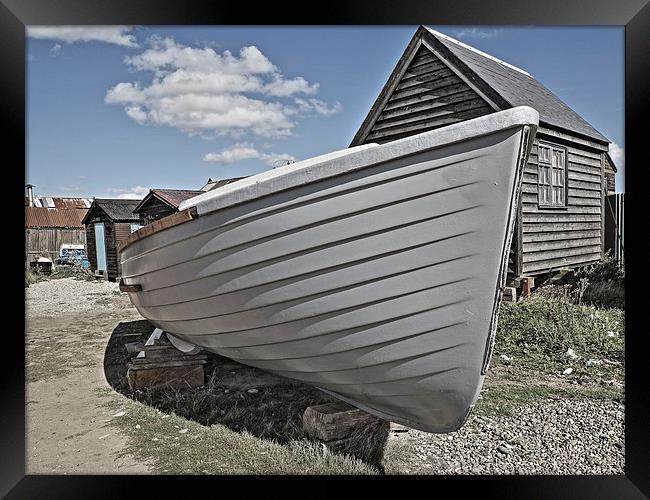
[(177, 377), (144, 363), (509, 294), (335, 421), (527, 284), (129, 288)]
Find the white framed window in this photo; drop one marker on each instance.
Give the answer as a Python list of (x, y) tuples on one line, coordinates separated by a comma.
[(551, 175)]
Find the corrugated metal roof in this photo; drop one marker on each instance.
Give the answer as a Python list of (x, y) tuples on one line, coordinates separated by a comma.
[(40, 217), (59, 202), (519, 88)]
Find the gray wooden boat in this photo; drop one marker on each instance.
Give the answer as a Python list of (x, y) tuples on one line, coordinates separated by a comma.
[(373, 273)]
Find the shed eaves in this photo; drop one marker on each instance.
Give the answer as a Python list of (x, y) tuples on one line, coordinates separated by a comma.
[(175, 197), (518, 88), (118, 210)]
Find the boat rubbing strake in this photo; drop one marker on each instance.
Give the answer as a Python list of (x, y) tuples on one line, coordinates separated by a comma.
[(373, 273)]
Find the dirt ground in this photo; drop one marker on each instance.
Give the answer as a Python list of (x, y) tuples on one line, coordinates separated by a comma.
[(67, 421), (81, 417)]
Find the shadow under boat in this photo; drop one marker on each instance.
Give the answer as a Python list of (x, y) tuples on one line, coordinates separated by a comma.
[(237, 396)]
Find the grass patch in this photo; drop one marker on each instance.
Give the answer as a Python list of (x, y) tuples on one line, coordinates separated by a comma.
[(272, 412), (59, 272), (162, 441), (32, 277), (550, 333), (601, 284), (72, 271), (504, 399)]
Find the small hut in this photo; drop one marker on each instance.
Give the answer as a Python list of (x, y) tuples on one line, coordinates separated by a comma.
[(160, 203), (108, 223), (561, 216)]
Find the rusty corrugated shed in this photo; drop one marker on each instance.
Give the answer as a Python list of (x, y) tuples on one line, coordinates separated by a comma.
[(59, 202), (38, 217)]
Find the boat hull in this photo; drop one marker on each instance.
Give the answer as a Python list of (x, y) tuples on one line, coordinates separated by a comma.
[(379, 285)]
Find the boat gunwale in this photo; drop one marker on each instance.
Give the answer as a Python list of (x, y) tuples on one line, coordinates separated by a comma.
[(261, 185)]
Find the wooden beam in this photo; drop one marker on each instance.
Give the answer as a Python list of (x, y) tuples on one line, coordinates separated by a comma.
[(129, 288), (159, 225)]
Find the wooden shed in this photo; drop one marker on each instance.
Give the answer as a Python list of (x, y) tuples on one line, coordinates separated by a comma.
[(439, 81), (108, 223), (160, 203), (47, 229)]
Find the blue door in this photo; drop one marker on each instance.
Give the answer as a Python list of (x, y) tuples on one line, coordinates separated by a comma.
[(100, 246)]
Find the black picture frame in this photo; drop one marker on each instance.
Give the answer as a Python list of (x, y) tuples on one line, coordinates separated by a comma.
[(633, 14)]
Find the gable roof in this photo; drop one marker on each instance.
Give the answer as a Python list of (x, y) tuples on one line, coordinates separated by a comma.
[(210, 185), (171, 197), (118, 210), (40, 217), (502, 83)]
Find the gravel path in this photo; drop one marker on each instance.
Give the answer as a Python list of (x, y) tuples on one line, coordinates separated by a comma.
[(549, 437), (66, 295)]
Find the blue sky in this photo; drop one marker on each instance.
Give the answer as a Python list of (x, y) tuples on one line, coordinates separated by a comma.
[(114, 111)]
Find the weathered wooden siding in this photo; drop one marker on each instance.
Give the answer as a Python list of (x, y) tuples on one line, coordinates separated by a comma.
[(615, 226), (153, 210), (48, 241), (429, 95), (112, 264), (553, 238), (91, 250), (115, 234), (610, 178)]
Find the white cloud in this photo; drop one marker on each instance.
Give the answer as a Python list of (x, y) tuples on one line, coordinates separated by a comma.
[(478, 33), (284, 88), (71, 188), (56, 50), (118, 35), (618, 155), (200, 91), (246, 151), (320, 107), (134, 193)]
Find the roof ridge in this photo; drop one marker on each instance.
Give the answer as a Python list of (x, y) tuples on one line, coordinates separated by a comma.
[(473, 49)]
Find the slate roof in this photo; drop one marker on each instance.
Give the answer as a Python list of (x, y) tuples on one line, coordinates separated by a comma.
[(118, 210), (40, 217), (519, 88), (176, 196), (173, 197)]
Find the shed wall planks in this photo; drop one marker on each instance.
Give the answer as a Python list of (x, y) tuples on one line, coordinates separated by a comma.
[(430, 95), (48, 241), (559, 237)]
